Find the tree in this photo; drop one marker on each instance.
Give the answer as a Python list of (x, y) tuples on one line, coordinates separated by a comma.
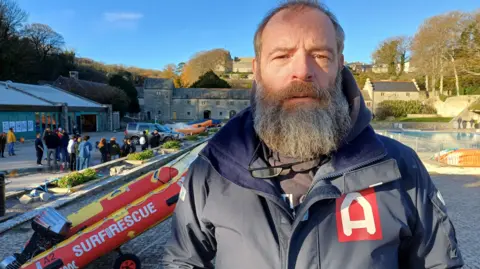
[(469, 51), (45, 40), (12, 18), (205, 61), (393, 52), (437, 44), (210, 80), (127, 86)]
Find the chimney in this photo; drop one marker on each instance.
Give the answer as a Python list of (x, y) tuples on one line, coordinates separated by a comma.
[(74, 74)]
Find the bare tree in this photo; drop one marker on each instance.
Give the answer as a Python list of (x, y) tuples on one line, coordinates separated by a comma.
[(44, 39), (437, 43), (393, 52), (12, 18)]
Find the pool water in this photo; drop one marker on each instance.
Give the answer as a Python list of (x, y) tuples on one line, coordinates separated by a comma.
[(439, 136)]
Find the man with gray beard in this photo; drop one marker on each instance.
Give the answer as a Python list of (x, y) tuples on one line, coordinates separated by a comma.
[(300, 180)]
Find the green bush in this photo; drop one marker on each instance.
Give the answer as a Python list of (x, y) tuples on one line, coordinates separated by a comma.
[(139, 156), (172, 144), (213, 130), (76, 178), (192, 137), (203, 134), (397, 109)]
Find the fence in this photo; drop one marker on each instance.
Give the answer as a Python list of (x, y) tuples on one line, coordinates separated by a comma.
[(424, 145)]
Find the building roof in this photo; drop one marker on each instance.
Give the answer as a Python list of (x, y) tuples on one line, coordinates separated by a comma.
[(204, 93), (139, 91), (394, 86), (52, 95), (10, 96), (158, 83), (95, 91)]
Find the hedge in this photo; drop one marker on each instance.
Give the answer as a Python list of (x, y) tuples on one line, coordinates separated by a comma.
[(77, 178), (397, 109), (139, 156)]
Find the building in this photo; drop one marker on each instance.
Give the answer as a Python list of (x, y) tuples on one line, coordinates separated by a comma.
[(375, 92), (164, 102), (383, 68), (243, 65), (359, 67), (32, 108)]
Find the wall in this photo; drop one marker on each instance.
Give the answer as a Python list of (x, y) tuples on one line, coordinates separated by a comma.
[(401, 96), (422, 115), (219, 108), (157, 100), (453, 105), (19, 116)]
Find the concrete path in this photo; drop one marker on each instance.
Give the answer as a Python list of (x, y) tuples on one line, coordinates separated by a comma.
[(26, 158)]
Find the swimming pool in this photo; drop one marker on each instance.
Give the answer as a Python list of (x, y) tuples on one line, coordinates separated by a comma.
[(437, 136)]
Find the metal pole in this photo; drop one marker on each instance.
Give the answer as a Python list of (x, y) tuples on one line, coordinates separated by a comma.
[(2, 195)]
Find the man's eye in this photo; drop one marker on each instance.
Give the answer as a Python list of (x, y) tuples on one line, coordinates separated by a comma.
[(285, 56), (321, 56)]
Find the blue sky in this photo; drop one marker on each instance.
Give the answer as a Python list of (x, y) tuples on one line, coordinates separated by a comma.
[(153, 33)]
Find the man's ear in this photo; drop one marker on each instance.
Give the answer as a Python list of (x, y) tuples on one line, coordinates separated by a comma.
[(254, 66)]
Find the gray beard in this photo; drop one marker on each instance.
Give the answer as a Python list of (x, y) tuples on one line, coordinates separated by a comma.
[(303, 133)]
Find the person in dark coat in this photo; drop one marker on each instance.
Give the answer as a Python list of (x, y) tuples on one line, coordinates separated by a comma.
[(125, 150), (3, 143), (155, 139), (39, 149), (53, 143), (114, 149), (103, 148), (300, 179)]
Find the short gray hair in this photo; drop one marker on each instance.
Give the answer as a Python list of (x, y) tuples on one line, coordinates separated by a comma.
[(299, 5)]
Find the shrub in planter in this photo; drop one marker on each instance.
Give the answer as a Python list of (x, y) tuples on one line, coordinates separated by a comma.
[(213, 130), (172, 144), (192, 138), (203, 134), (77, 178), (140, 156)]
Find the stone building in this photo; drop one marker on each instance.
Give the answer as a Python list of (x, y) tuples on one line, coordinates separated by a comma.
[(162, 101), (375, 92)]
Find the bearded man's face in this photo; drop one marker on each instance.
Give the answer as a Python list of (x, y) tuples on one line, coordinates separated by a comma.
[(300, 109)]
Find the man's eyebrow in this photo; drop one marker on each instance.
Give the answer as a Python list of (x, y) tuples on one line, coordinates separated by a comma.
[(314, 49)]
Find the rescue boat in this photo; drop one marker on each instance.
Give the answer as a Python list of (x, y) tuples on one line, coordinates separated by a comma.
[(106, 224), (459, 157)]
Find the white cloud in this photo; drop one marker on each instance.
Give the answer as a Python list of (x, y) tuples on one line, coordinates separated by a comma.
[(122, 16)]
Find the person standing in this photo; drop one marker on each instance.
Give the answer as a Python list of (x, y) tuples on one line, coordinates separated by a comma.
[(39, 149), (64, 140), (11, 139), (85, 152), (300, 179), (114, 149), (71, 153), (103, 148), (3, 143), (77, 153), (52, 141), (144, 141)]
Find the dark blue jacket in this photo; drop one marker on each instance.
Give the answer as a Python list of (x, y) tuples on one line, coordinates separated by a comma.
[(373, 205)]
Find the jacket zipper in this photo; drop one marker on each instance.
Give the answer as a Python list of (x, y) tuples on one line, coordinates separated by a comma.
[(311, 202), (272, 198)]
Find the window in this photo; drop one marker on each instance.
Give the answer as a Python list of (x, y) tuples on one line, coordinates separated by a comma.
[(220, 113), (217, 103), (143, 127), (189, 102), (408, 94), (132, 126), (204, 102), (246, 103), (159, 112), (231, 103), (188, 113), (382, 94)]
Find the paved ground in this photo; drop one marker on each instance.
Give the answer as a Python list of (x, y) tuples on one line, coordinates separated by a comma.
[(461, 194), (25, 153)]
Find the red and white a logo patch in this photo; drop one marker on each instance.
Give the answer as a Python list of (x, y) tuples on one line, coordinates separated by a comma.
[(357, 217)]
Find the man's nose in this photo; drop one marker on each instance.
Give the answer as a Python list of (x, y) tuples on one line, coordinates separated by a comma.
[(302, 67)]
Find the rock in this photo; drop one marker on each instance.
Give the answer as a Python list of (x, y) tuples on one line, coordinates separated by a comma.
[(45, 196), (25, 199), (117, 170)]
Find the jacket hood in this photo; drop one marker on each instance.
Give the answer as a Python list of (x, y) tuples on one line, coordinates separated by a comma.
[(232, 148)]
